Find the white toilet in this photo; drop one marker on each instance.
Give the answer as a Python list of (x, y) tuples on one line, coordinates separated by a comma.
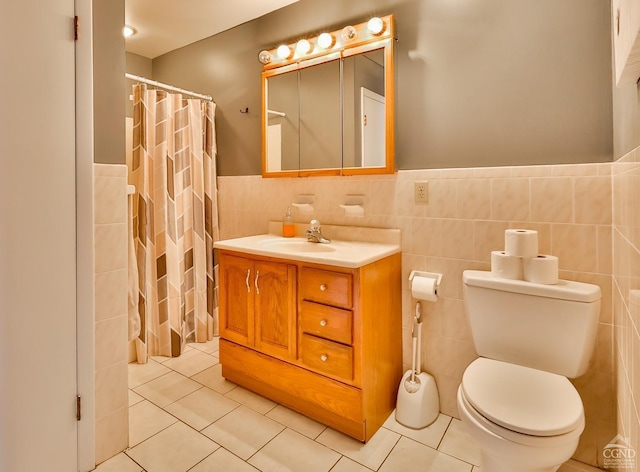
[(516, 399)]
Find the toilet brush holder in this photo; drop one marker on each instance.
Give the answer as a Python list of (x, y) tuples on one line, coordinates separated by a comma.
[(418, 405)]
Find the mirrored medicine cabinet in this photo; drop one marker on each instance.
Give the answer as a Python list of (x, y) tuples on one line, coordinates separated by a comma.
[(328, 103)]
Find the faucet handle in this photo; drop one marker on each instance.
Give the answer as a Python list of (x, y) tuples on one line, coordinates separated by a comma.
[(314, 225)]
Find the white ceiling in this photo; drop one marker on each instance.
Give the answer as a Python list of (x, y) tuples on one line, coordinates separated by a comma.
[(165, 25)]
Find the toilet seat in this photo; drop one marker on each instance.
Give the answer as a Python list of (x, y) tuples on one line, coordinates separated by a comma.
[(521, 399), (491, 431)]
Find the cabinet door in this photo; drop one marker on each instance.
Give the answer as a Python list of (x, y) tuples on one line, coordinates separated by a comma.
[(236, 299), (275, 307)]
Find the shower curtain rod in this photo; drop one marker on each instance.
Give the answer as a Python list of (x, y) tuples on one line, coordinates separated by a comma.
[(167, 87)]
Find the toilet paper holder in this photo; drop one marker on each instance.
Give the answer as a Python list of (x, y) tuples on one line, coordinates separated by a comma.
[(428, 275)]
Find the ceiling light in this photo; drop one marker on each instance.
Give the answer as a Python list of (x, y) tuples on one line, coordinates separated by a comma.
[(128, 31), (283, 51), (375, 25), (325, 40)]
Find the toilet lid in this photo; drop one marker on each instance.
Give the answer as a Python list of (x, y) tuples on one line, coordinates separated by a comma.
[(522, 399)]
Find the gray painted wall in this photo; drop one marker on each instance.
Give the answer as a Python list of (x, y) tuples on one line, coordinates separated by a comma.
[(282, 100), (626, 120), (140, 66), (492, 82), (108, 81), (320, 121)]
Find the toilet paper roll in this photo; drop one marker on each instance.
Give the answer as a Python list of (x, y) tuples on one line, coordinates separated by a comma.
[(521, 242), (542, 269), (505, 266), (424, 288)]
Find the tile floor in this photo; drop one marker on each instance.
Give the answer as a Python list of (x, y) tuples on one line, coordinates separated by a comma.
[(184, 416)]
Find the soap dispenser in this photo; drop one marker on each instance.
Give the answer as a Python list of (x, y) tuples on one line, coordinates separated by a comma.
[(288, 226)]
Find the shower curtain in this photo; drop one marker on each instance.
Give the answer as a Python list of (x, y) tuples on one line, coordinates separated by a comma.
[(174, 221)]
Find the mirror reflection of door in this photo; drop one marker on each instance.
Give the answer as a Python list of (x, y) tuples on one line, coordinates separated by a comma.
[(372, 124)]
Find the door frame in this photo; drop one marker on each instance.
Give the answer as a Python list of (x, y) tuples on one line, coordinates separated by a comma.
[(85, 320)]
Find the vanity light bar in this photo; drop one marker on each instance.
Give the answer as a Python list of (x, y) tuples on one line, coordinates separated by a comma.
[(375, 29)]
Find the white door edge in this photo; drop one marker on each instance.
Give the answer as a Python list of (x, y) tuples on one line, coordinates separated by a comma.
[(85, 244)]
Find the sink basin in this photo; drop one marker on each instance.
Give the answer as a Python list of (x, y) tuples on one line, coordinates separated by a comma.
[(338, 253), (297, 246)]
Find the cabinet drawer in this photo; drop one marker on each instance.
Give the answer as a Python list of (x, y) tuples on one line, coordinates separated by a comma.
[(331, 288), (327, 322), (327, 357)]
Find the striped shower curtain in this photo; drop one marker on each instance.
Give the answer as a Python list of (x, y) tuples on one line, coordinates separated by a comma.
[(174, 221)]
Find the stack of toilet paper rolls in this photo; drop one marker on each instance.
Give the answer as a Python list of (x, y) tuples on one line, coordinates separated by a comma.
[(520, 259)]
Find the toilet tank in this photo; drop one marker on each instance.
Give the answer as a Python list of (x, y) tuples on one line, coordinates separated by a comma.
[(547, 327)]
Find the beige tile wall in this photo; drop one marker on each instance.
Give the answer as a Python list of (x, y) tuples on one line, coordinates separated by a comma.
[(110, 213), (468, 211), (626, 294)]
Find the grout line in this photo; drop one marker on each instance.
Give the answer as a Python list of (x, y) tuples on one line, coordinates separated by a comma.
[(285, 427), (437, 448)]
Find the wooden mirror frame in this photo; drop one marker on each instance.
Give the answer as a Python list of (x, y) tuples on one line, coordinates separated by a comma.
[(364, 42)]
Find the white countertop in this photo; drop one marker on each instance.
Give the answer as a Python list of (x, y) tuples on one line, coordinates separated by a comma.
[(340, 253)]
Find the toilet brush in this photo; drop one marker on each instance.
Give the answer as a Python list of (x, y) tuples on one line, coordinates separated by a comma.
[(417, 405), (410, 384)]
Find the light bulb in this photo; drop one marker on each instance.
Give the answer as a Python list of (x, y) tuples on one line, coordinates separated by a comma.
[(375, 25), (264, 57), (128, 31), (349, 33), (303, 46), (325, 40), (283, 51)]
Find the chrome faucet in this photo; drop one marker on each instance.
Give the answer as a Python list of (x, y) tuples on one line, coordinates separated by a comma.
[(314, 233)]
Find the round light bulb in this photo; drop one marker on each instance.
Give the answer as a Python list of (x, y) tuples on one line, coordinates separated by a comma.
[(325, 40), (264, 57), (283, 51), (303, 46), (375, 25), (128, 31), (349, 33)]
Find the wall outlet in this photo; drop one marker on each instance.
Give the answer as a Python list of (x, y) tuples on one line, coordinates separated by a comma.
[(421, 192)]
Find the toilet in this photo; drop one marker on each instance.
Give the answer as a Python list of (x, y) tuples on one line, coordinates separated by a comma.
[(516, 398)]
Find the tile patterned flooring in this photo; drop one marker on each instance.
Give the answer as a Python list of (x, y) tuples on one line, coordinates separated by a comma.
[(184, 416)]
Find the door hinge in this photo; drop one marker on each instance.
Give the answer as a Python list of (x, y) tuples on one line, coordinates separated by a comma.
[(78, 407), (75, 28)]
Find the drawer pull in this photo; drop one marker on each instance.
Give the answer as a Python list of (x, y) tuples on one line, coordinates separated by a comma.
[(323, 287), (324, 358), (323, 322), (247, 280)]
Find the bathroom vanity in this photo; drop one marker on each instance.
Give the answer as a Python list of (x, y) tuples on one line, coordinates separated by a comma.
[(314, 327)]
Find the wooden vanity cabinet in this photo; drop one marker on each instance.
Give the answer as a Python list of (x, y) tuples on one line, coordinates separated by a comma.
[(344, 358), (259, 304)]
